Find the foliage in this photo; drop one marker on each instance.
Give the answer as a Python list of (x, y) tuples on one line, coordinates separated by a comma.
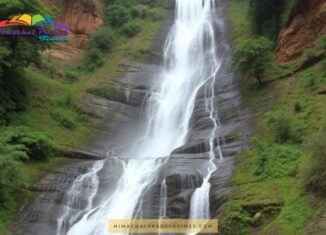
[(11, 179), (316, 175), (266, 17), (63, 118), (26, 144), (282, 127), (102, 39), (15, 54), (275, 160), (71, 76), (12, 95), (131, 28), (251, 57), (290, 7), (116, 15), (110, 92), (101, 42), (310, 80)]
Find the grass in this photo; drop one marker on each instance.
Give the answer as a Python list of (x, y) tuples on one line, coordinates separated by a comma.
[(275, 191)]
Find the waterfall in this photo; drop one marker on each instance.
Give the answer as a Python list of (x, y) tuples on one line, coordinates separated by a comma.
[(84, 186), (190, 64)]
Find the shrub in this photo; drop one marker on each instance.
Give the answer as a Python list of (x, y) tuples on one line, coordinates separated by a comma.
[(321, 43), (315, 179), (131, 28), (11, 179), (95, 58), (276, 160), (102, 39), (308, 79), (70, 76), (298, 106), (266, 17), (282, 128), (13, 96), (63, 118), (251, 57), (101, 42), (24, 143), (116, 15), (148, 2), (109, 92), (139, 12)]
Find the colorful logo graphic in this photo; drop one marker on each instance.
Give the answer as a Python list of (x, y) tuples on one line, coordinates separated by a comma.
[(46, 27)]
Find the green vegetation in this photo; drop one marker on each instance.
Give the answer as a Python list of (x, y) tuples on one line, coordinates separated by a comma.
[(284, 168), (269, 16), (41, 97), (251, 57), (316, 175), (101, 43), (121, 19)]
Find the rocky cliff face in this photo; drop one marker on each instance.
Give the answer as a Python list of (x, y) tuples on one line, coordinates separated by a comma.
[(306, 26), (81, 19)]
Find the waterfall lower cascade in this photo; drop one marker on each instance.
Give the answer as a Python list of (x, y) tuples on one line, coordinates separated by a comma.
[(190, 64)]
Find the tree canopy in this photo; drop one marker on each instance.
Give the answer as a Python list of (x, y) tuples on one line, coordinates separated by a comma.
[(251, 57)]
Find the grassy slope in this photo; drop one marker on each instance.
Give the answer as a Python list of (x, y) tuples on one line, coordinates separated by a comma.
[(49, 98), (285, 206)]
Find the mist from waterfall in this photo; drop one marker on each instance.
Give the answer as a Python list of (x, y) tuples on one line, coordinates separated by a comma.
[(190, 63)]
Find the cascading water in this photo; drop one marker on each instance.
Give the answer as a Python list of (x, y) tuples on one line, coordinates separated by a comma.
[(190, 63)]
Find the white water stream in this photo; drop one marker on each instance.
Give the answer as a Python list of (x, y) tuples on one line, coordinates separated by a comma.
[(190, 63)]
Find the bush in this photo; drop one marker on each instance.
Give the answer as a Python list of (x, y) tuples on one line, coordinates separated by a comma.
[(64, 119), (108, 92), (101, 42), (13, 96), (11, 179), (22, 143), (275, 160), (315, 179), (298, 106), (116, 16), (102, 39), (308, 79), (251, 57), (282, 128), (266, 17), (70, 76), (131, 28)]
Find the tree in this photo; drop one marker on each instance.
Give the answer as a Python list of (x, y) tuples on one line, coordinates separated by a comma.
[(252, 56), (16, 53), (116, 16), (266, 17)]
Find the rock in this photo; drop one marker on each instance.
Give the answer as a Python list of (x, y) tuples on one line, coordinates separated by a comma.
[(81, 20), (322, 92), (305, 27), (257, 216)]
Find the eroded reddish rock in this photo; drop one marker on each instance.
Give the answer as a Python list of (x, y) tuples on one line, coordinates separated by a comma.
[(81, 20), (307, 25)]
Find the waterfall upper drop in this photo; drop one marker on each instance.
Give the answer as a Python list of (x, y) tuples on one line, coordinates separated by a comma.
[(190, 63)]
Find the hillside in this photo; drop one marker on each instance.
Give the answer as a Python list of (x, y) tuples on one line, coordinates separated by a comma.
[(278, 185)]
